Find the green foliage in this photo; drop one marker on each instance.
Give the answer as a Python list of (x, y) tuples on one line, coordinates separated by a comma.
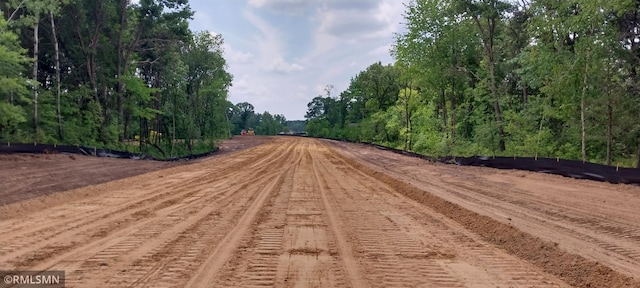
[(490, 78), (11, 117), (138, 98), (269, 125), (13, 86), (296, 126)]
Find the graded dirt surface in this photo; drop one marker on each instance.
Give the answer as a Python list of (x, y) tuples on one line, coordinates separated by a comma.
[(26, 176), (298, 212)]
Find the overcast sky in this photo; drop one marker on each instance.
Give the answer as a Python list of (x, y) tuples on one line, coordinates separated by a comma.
[(282, 53)]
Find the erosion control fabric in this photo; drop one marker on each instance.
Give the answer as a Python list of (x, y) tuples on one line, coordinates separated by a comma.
[(567, 168), (69, 149)]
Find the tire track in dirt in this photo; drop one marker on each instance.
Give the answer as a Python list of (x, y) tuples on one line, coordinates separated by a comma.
[(211, 268), (289, 213), (289, 244), (613, 237), (222, 253), (598, 221), (389, 258), (499, 267), (312, 256), (572, 268), (113, 246), (394, 250), (191, 247), (616, 242), (94, 226), (183, 234), (604, 237), (353, 270)]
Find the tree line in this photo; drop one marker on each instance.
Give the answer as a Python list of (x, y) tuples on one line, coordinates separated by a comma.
[(113, 73), (514, 78), (243, 117)]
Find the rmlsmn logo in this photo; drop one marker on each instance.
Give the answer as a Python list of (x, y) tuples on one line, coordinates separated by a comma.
[(32, 279)]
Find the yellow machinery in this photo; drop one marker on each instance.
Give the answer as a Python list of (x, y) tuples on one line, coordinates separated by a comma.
[(251, 132)]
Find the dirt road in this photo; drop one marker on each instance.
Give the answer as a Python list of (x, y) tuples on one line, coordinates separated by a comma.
[(295, 212)]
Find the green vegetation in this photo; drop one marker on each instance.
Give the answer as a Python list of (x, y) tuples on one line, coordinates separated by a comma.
[(515, 78), (243, 117), (296, 126), (116, 74)]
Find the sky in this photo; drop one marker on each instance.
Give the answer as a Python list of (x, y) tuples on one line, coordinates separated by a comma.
[(282, 53)]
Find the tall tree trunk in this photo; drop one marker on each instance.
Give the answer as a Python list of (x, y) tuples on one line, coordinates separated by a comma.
[(583, 122), (607, 92), (35, 80), (488, 44), (406, 118), (638, 155), (496, 106), (410, 134), (453, 89), (58, 90), (609, 131), (453, 110), (88, 50), (127, 118), (445, 119), (156, 104), (92, 75), (119, 69), (173, 132)]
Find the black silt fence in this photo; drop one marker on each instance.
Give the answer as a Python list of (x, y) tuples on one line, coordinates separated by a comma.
[(89, 151)]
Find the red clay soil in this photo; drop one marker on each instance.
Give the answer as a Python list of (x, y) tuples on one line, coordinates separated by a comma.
[(26, 176)]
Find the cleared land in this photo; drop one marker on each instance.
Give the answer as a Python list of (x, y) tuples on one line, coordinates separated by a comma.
[(26, 176), (296, 212)]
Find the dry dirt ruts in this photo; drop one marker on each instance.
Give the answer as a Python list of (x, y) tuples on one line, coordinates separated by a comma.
[(26, 176), (293, 212)]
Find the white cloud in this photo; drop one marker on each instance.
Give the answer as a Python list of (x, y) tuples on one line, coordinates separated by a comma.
[(249, 89), (382, 50), (341, 23), (280, 66), (391, 13), (269, 39), (284, 6), (241, 83), (337, 4), (352, 19), (349, 24), (235, 56), (271, 42)]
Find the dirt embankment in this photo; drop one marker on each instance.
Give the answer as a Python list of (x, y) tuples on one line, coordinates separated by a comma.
[(26, 176)]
